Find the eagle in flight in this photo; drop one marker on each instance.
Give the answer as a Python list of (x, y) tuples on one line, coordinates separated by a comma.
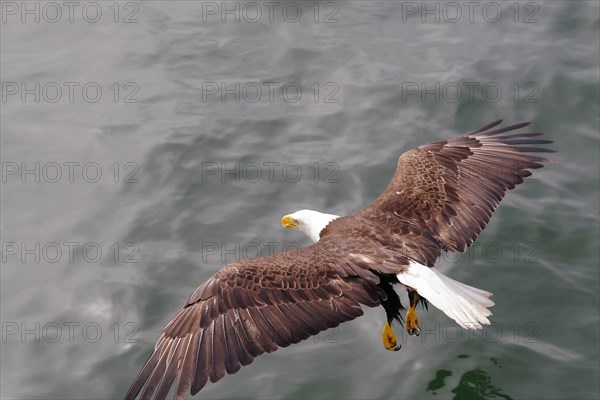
[(441, 197)]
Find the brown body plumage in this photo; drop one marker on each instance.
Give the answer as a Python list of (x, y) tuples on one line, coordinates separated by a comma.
[(440, 198)]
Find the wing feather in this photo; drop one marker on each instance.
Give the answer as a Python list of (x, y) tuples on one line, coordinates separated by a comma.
[(255, 306), (202, 358), (188, 366), (451, 188), (171, 370)]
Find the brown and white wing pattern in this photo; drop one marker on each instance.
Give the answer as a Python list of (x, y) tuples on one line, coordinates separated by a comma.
[(255, 306), (452, 187)]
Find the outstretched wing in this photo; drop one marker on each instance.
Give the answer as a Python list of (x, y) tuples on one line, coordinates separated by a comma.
[(255, 306), (452, 187)]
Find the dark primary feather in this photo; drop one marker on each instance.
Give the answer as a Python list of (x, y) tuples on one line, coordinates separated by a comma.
[(440, 198)]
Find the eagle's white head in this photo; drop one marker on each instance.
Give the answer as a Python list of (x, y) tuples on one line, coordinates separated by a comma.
[(308, 221)]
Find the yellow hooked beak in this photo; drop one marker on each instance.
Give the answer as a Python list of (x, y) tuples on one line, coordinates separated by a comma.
[(288, 222)]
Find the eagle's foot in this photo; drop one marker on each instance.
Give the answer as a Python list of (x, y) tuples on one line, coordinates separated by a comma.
[(389, 339), (412, 322)]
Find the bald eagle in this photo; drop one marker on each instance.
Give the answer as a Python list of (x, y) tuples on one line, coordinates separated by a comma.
[(441, 197)]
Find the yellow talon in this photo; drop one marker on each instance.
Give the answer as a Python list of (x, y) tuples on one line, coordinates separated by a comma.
[(412, 322), (388, 338)]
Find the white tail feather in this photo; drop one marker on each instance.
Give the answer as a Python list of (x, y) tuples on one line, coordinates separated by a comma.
[(466, 305)]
